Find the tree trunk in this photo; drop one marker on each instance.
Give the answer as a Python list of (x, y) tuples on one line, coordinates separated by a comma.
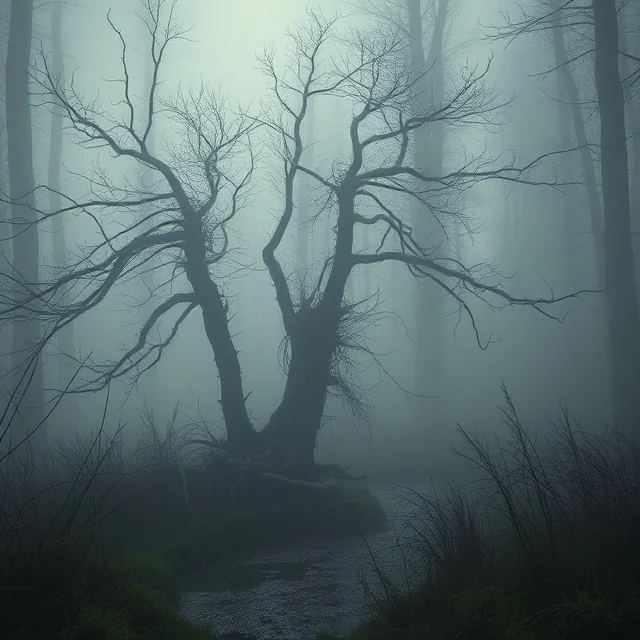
[(623, 314), (6, 254), (26, 333), (571, 275), (588, 167), (430, 362), (148, 385), (633, 118), (240, 431), (65, 338), (292, 430)]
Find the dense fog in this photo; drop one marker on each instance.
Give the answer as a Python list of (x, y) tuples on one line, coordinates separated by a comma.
[(532, 230), (319, 320)]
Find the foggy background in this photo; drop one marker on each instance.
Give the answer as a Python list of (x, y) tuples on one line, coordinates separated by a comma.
[(519, 228)]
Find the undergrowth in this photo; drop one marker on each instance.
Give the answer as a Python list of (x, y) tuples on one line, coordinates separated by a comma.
[(543, 547), (94, 535)]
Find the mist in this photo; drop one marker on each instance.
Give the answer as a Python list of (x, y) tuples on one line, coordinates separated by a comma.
[(328, 235), (517, 227)]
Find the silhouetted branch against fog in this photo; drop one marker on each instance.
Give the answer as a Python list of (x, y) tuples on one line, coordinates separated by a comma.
[(200, 183), (368, 70), (203, 180)]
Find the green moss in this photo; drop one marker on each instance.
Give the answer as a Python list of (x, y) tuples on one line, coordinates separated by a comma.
[(484, 613), (129, 598), (133, 612), (587, 614), (151, 570)]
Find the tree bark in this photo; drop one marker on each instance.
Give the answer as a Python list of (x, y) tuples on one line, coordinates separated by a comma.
[(571, 275), (6, 254), (26, 333), (292, 430), (148, 384), (623, 314)]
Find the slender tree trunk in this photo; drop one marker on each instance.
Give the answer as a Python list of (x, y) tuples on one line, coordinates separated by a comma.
[(430, 362), (26, 334), (588, 167), (633, 118), (623, 314), (6, 254), (65, 335), (571, 274)]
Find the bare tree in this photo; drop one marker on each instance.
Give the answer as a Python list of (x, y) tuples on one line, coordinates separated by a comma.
[(614, 257), (623, 310), (557, 17), (428, 155), (203, 181), (380, 87), (629, 20), (570, 103)]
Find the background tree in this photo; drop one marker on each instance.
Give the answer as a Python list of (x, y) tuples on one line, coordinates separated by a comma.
[(24, 233), (623, 311), (428, 155), (425, 25), (598, 22), (65, 339), (382, 90)]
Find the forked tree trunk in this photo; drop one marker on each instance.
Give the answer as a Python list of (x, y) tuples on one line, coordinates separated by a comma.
[(623, 314), (293, 428)]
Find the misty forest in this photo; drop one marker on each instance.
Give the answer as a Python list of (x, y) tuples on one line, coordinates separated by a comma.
[(319, 319)]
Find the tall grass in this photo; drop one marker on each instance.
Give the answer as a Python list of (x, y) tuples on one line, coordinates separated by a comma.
[(544, 544), (60, 507)]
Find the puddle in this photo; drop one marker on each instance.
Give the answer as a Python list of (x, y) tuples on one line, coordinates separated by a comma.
[(293, 593)]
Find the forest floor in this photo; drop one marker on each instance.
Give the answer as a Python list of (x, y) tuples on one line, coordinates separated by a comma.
[(93, 547), (543, 546)]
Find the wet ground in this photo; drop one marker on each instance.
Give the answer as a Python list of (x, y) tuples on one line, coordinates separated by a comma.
[(293, 593)]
